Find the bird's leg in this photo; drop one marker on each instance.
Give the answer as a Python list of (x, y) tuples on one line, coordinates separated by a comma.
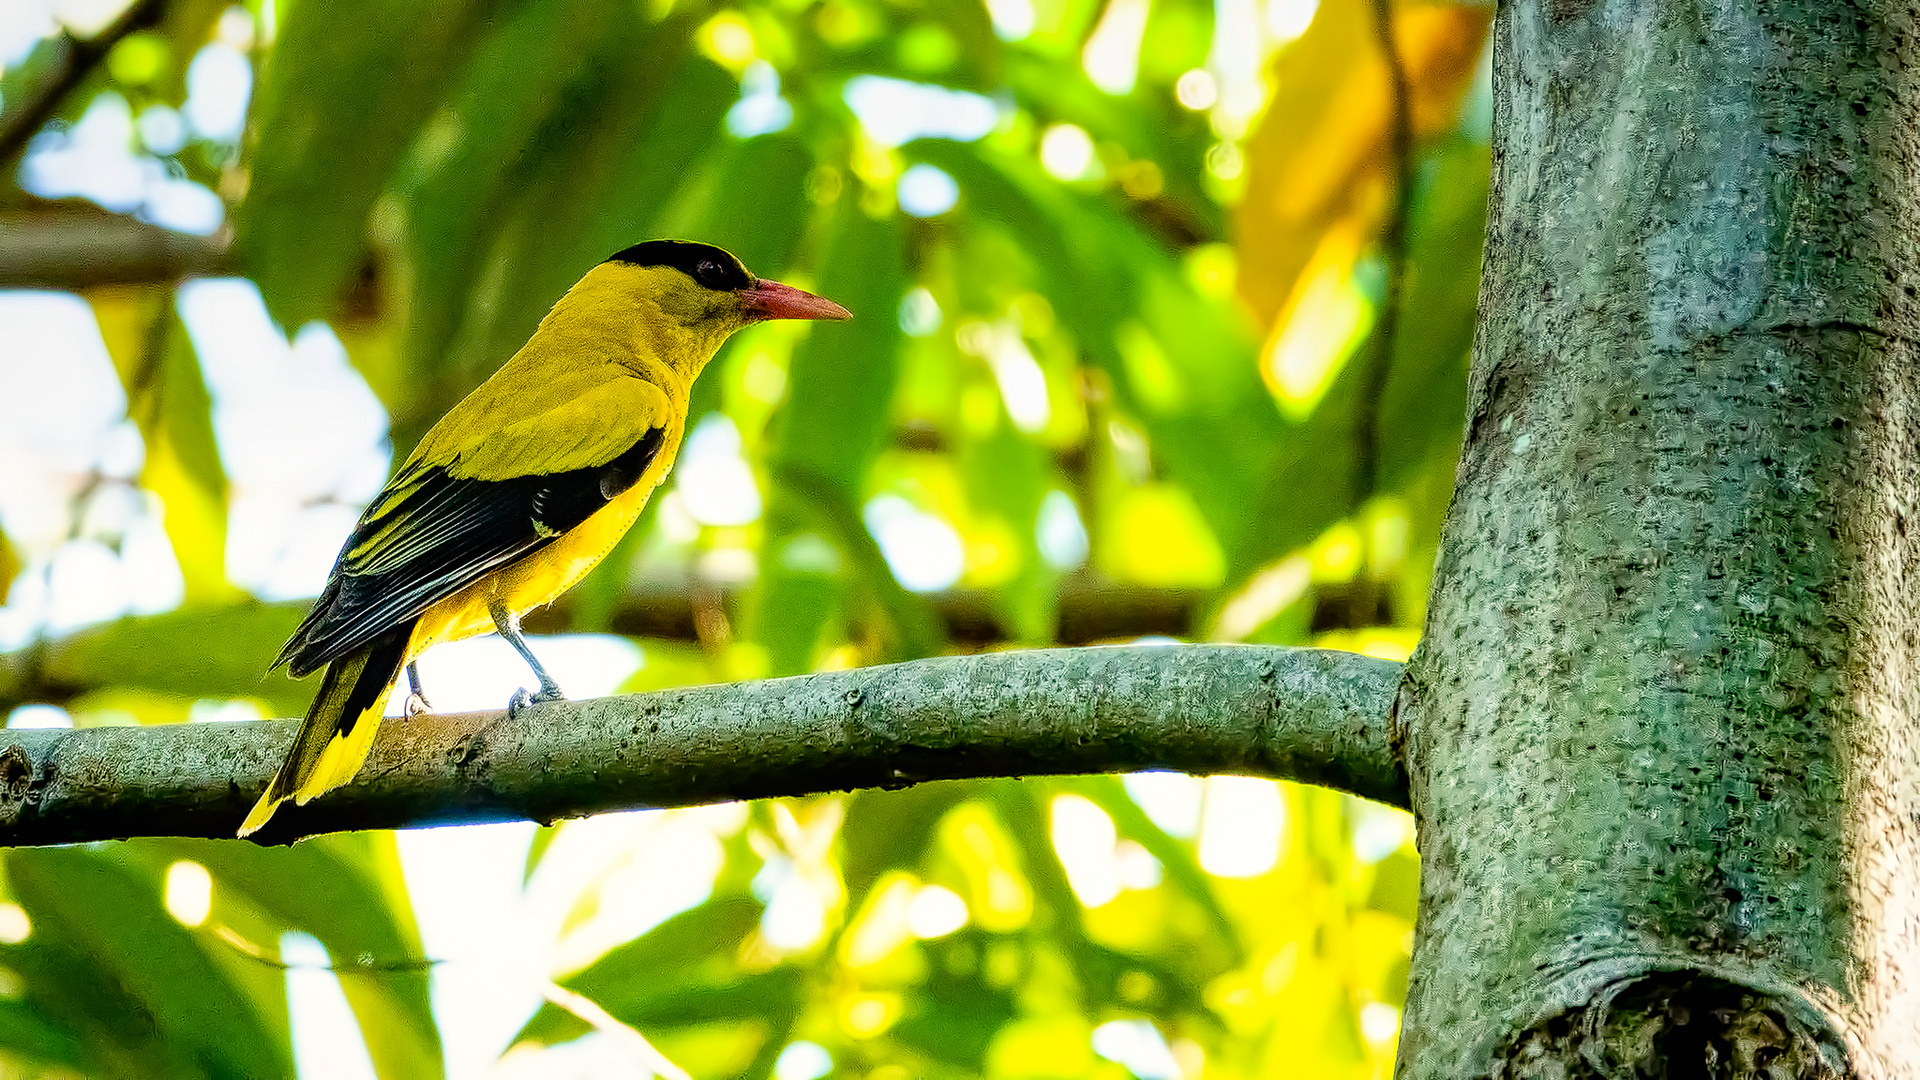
[(417, 703), (508, 624)]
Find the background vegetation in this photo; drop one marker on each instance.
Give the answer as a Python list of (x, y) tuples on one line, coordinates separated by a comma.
[(1151, 343)]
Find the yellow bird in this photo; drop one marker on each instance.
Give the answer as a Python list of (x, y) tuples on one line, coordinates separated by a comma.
[(518, 491)]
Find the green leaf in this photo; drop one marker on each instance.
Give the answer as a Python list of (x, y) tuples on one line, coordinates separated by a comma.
[(1147, 127), (1426, 391), (1023, 809), (185, 26), (1007, 475), (137, 987), (660, 106), (175, 416), (886, 829), (347, 891), (954, 1014), (837, 416), (28, 1034), (680, 973), (484, 149), (1311, 482), (1396, 885), (840, 383), (1182, 364), (195, 652), (326, 146), (758, 208)]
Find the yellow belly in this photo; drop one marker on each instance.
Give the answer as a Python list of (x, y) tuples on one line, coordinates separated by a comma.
[(539, 578)]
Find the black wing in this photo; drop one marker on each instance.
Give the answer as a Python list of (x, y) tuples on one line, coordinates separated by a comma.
[(440, 534)]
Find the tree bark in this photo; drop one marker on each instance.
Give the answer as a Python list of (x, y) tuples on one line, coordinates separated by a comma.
[(1661, 728), (1313, 715)]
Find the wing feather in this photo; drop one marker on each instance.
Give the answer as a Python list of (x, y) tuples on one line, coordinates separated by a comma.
[(440, 526)]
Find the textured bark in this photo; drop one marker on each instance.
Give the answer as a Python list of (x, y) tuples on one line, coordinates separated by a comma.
[(1661, 729), (1313, 715)]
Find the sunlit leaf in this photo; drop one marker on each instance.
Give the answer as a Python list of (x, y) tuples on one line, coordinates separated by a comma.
[(183, 466), (10, 565), (1321, 155), (1176, 858)]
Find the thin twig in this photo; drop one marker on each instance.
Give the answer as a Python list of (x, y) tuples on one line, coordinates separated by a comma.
[(1393, 250), (74, 59), (1313, 715), (273, 958)]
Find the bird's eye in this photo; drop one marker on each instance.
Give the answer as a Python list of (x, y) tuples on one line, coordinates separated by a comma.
[(711, 274)]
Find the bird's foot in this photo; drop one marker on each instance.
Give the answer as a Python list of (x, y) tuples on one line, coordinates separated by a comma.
[(523, 697), (418, 705)]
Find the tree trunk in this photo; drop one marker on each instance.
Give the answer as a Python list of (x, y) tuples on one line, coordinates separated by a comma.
[(1661, 728)]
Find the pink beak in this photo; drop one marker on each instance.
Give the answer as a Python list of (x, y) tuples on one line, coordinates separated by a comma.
[(772, 300)]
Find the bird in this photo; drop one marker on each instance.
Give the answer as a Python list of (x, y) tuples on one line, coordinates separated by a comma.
[(517, 492)]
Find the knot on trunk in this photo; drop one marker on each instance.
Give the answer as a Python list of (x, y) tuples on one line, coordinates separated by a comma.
[(1680, 1024)]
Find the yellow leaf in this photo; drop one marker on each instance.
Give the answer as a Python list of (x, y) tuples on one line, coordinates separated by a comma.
[(195, 520), (10, 565), (1320, 155), (1154, 535), (1052, 1047), (997, 893)]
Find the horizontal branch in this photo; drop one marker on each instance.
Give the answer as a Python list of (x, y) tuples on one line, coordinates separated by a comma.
[(1312, 715), (78, 248), (134, 652), (1089, 610)]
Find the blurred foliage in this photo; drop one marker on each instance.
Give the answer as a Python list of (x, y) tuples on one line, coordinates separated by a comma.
[(1139, 318)]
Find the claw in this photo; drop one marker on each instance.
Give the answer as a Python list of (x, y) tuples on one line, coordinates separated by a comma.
[(546, 694), (418, 705), (520, 700)]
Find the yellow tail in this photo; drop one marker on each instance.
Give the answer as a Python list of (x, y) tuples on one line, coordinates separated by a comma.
[(338, 731)]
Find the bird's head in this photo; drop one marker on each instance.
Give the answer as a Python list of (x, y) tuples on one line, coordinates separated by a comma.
[(679, 300), (704, 291)]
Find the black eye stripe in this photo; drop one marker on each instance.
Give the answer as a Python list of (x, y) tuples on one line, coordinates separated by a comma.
[(709, 266)]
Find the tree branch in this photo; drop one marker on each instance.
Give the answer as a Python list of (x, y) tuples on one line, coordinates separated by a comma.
[(76, 248), (74, 61), (1393, 250), (1312, 715), (136, 651)]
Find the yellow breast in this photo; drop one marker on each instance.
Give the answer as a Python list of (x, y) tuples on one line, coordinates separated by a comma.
[(539, 578)]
